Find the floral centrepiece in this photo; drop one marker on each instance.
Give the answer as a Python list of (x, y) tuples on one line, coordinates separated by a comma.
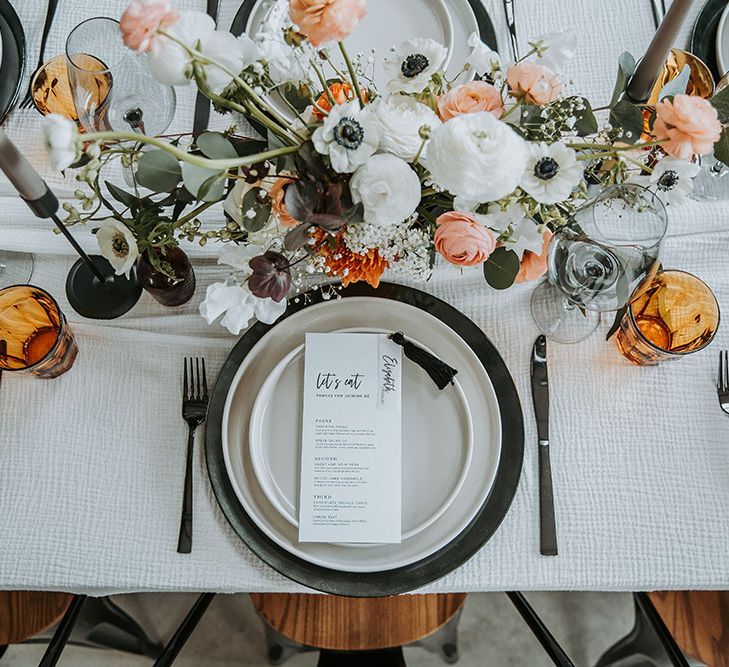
[(476, 163)]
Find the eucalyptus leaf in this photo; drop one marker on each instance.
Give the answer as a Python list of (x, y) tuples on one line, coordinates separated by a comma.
[(628, 119), (215, 146), (626, 67), (123, 197), (720, 102), (585, 123), (262, 211), (501, 267), (196, 177), (158, 171), (620, 313), (721, 148), (677, 85)]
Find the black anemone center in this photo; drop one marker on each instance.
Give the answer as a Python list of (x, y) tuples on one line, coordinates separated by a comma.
[(546, 168), (413, 65), (348, 133), (668, 180), (119, 246)]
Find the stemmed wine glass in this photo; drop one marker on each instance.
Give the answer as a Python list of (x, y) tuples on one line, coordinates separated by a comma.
[(112, 87), (597, 260)]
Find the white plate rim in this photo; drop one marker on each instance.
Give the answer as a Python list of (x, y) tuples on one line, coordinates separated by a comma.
[(718, 43)]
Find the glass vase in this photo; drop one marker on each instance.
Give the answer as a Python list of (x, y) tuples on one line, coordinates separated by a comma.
[(164, 289)]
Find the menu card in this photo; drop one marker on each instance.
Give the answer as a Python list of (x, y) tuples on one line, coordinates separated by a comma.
[(351, 440)]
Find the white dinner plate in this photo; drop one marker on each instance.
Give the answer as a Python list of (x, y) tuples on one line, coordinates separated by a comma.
[(429, 418), (357, 313), (387, 24), (722, 42)]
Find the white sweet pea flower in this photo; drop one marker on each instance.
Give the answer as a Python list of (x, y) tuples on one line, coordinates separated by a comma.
[(552, 172), (556, 49), (239, 305), (477, 157), (171, 64), (413, 63), (118, 245), (671, 180), (349, 136), (388, 188), (401, 118), (483, 59), (237, 256), (525, 235), (501, 220), (61, 139)]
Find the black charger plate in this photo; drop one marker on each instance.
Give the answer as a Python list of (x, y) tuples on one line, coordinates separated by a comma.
[(13, 60), (703, 37), (426, 570)]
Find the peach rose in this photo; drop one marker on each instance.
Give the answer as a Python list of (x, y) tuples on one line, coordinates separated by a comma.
[(534, 266), (462, 239), (278, 205), (537, 83), (470, 98), (141, 20), (689, 124), (326, 20)]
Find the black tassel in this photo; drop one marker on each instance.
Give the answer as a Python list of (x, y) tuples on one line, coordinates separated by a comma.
[(440, 372)]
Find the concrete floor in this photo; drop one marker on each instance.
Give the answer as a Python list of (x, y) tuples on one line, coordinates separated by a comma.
[(491, 632)]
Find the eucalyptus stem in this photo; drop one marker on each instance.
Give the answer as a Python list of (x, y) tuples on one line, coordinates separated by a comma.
[(352, 75), (216, 165), (192, 214), (611, 147)]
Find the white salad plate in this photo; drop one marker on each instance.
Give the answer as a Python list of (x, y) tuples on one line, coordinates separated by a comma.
[(429, 418), (722, 42), (285, 417)]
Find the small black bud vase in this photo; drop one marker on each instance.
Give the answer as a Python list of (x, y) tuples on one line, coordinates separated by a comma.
[(166, 291)]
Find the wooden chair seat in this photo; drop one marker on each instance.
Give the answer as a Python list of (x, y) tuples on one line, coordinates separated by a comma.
[(24, 614), (356, 624), (698, 621)]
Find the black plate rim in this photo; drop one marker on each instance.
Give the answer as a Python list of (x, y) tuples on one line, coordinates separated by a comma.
[(427, 570), (483, 20), (13, 22), (707, 22)]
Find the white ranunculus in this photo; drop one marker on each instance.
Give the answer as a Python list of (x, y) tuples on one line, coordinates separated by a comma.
[(400, 118), (552, 172), (388, 188), (477, 157), (61, 139), (671, 180), (349, 136), (170, 64), (557, 49), (413, 63), (482, 58), (118, 245), (239, 305)]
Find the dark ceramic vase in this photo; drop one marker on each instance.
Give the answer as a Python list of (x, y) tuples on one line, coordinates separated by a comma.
[(165, 290)]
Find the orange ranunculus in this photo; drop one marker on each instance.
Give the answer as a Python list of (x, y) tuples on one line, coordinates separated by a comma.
[(278, 205), (537, 83), (327, 20), (470, 98), (689, 125), (462, 239), (141, 20), (340, 92), (534, 266)]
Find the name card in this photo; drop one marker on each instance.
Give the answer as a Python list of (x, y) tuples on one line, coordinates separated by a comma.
[(351, 439)]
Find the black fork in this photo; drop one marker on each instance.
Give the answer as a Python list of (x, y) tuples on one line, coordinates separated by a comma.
[(194, 406)]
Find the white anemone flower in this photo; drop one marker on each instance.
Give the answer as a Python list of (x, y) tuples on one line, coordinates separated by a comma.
[(483, 59), (413, 63), (118, 245), (349, 136), (556, 49), (671, 180), (61, 139), (552, 172)]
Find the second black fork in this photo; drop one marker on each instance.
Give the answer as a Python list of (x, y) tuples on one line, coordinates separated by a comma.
[(194, 407)]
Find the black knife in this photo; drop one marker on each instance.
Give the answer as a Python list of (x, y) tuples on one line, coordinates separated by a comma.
[(202, 103), (540, 395)]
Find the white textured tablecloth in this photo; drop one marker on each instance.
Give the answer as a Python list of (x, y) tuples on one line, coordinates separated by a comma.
[(91, 464)]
